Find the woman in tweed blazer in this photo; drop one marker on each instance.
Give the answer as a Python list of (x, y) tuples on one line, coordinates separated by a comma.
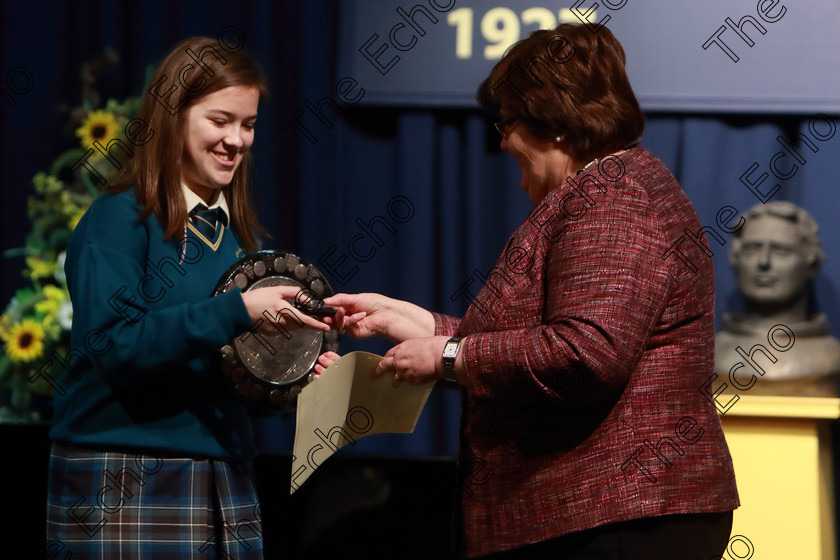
[(585, 432)]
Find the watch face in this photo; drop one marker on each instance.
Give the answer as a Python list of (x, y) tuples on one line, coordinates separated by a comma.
[(450, 350)]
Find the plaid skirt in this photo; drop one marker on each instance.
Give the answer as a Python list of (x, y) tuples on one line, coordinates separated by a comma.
[(110, 505)]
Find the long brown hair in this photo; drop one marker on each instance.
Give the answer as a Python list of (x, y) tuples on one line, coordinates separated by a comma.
[(155, 169), (570, 82)]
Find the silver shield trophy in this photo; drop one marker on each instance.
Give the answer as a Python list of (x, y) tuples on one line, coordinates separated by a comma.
[(268, 372)]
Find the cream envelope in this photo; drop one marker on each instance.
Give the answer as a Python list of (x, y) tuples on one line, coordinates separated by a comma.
[(343, 405)]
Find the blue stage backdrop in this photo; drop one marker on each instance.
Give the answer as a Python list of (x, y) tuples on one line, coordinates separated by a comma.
[(748, 56), (410, 196)]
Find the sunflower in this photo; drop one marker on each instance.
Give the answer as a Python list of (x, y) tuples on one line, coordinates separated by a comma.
[(100, 126), (25, 341)]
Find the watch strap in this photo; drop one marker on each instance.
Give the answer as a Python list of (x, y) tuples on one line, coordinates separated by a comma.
[(449, 360)]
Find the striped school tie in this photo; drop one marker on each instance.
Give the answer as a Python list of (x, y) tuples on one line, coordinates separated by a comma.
[(206, 220)]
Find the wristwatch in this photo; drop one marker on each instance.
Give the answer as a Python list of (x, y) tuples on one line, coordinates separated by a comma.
[(450, 351)]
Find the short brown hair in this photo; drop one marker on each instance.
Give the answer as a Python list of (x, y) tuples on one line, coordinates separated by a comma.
[(570, 82), (155, 168)]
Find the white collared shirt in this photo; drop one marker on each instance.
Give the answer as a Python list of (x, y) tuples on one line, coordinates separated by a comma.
[(193, 199)]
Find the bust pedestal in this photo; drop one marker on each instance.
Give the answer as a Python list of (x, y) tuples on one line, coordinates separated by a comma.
[(784, 467)]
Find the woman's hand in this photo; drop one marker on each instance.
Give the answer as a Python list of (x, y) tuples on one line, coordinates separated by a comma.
[(325, 360), (271, 313), (365, 315), (414, 361)]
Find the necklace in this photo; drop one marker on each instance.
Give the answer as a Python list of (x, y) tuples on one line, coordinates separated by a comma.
[(587, 166), (597, 159)]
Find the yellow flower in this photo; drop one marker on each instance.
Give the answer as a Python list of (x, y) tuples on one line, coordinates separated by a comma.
[(39, 268), (55, 296), (5, 326), (57, 310), (100, 126), (63, 201), (26, 341), (47, 184), (51, 327), (75, 218)]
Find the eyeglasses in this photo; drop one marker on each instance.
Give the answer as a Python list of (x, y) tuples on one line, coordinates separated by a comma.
[(502, 126)]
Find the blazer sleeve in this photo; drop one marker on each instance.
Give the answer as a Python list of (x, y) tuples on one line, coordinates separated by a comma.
[(446, 325), (127, 340), (605, 290)]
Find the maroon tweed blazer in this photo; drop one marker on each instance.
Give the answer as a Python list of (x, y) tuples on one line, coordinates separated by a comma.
[(586, 348)]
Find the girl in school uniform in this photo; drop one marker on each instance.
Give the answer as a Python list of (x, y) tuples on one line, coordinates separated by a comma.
[(151, 455)]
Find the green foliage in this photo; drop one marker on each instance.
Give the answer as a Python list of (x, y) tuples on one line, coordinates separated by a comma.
[(37, 320)]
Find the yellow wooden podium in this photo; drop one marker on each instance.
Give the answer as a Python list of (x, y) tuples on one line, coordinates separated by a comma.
[(782, 451)]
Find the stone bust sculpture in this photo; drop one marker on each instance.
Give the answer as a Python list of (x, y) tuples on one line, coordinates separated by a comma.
[(778, 346)]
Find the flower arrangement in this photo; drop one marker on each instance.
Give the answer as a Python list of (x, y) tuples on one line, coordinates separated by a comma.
[(37, 320)]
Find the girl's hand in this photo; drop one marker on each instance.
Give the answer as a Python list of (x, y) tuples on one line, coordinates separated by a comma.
[(271, 313), (325, 360)]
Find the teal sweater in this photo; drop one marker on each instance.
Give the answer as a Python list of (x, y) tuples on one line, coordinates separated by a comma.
[(146, 331)]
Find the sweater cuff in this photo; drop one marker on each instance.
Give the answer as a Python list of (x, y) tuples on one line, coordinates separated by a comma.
[(233, 312)]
